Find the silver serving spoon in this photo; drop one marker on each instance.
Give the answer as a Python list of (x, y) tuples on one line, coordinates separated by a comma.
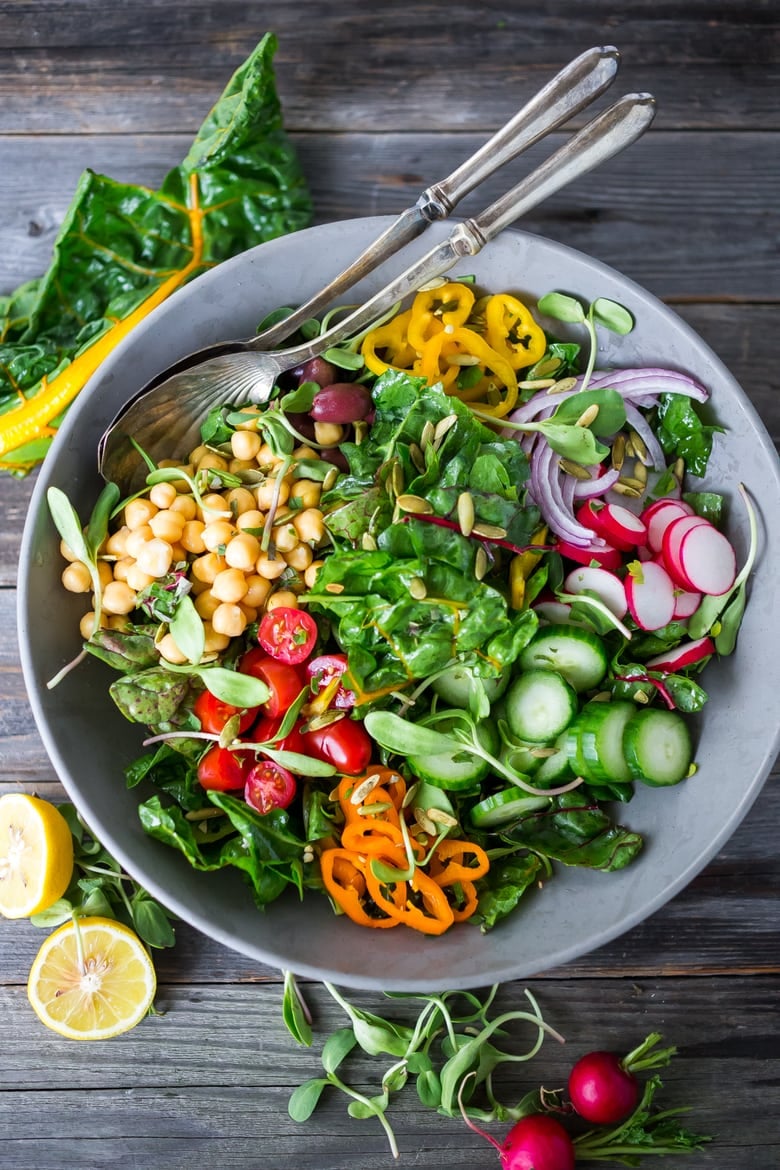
[(165, 419)]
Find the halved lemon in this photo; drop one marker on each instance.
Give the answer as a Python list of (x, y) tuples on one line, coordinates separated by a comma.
[(36, 855), (91, 979)]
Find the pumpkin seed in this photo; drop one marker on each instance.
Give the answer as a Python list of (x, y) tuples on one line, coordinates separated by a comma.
[(565, 385), (417, 457), (430, 285), (588, 416), (575, 469), (537, 384), (466, 513), (334, 587), (367, 542), (640, 449), (480, 563), (428, 432), (442, 427), (462, 359), (418, 588), (324, 720), (330, 478), (640, 473), (359, 794), (618, 451), (414, 504), (424, 821), (489, 531), (440, 817), (397, 479), (624, 489)]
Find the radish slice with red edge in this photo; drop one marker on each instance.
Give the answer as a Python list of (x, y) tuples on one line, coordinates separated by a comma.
[(650, 595), (707, 560), (605, 585), (686, 602), (620, 528), (659, 516), (606, 556), (686, 654), (673, 537)]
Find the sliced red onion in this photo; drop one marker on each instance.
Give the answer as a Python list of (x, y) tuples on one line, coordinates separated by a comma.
[(655, 456), (641, 386), (588, 489), (547, 491)]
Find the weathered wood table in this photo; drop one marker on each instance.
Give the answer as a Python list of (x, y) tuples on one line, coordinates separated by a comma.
[(381, 100)]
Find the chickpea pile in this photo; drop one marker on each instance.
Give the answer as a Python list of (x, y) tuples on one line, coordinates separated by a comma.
[(217, 540)]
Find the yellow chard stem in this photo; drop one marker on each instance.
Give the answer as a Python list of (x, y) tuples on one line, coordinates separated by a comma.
[(30, 420)]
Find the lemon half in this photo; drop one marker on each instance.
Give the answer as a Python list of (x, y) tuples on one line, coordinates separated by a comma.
[(36, 855), (92, 979)]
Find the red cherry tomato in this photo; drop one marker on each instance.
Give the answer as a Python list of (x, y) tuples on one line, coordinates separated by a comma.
[(283, 681), (269, 786), (288, 634), (214, 714), (266, 728), (222, 770), (345, 744), (323, 670)]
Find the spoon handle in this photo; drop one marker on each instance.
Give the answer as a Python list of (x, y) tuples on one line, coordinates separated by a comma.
[(573, 88), (602, 138)]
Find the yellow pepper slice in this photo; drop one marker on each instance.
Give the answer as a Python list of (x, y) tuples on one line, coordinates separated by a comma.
[(392, 339), (520, 568), (435, 309), (512, 331)]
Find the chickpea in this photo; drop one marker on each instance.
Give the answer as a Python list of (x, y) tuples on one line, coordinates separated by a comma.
[(217, 534), (307, 492), (163, 495), (285, 537), (304, 452), (197, 587), (186, 505), (328, 434), (229, 620), (118, 621), (170, 651), (309, 525), (282, 597), (266, 492), (245, 444), (155, 558), (205, 568), (270, 567), (137, 539), (118, 597), (137, 579), (249, 612), (214, 641), (178, 552), (229, 585), (192, 536), (67, 552), (300, 557), (122, 567), (212, 462), (240, 500), (214, 508), (198, 453), (139, 512), (116, 545), (206, 603), (266, 458), (249, 424), (242, 552), (105, 572), (239, 466), (167, 525), (87, 625), (257, 590), (310, 574), (76, 577), (251, 518)]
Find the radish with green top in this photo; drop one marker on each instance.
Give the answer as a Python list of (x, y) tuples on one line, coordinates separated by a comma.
[(603, 1087), (536, 1142)]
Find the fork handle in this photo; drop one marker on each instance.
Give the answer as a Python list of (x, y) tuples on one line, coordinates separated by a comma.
[(602, 138), (575, 86)]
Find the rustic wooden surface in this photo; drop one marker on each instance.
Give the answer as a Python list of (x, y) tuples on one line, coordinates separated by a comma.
[(383, 99)]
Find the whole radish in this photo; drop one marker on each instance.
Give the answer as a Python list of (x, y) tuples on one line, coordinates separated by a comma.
[(536, 1142), (603, 1087)]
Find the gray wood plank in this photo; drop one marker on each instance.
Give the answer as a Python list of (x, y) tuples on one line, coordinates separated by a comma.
[(83, 67), (674, 213), (211, 1078)]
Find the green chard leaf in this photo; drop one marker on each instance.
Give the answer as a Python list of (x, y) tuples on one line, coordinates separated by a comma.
[(682, 434)]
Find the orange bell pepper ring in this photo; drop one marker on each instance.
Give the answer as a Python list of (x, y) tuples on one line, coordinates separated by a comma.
[(450, 862), (340, 870), (430, 913), (512, 331), (434, 309)]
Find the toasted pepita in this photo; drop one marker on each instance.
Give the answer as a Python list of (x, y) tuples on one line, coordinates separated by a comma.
[(418, 589), (489, 531), (575, 469), (466, 513), (414, 504)]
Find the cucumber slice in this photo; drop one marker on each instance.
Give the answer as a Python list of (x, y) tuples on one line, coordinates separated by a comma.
[(555, 767), (598, 731), (658, 747), (540, 705), (455, 684), (460, 770), (519, 757), (575, 653), (504, 807)]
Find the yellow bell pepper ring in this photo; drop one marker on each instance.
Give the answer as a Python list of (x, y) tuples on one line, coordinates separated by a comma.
[(512, 331), (471, 343), (435, 308), (392, 339)]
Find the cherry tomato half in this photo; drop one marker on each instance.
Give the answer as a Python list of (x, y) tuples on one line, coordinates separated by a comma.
[(322, 671), (345, 744), (288, 634), (269, 786), (282, 680), (222, 770), (266, 728), (214, 714)]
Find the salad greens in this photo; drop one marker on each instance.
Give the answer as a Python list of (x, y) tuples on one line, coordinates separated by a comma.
[(123, 248)]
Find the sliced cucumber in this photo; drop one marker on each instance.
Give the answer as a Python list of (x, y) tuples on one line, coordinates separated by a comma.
[(577, 654), (598, 732), (456, 771), (504, 807), (658, 747), (455, 685), (555, 767), (519, 757), (540, 705)]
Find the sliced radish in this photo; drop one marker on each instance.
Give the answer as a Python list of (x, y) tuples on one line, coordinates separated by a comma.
[(686, 602), (588, 514), (686, 654), (659, 516), (604, 555), (644, 553), (650, 595), (621, 528), (708, 560), (557, 613), (606, 586), (670, 550)]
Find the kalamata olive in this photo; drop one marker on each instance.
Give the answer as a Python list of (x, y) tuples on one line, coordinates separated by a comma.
[(303, 423), (342, 402), (316, 370), (336, 457)]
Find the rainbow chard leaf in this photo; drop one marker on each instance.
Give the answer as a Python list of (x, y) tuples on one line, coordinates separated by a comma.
[(123, 249)]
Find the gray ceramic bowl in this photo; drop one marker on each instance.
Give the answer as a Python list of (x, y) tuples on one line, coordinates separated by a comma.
[(90, 743)]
